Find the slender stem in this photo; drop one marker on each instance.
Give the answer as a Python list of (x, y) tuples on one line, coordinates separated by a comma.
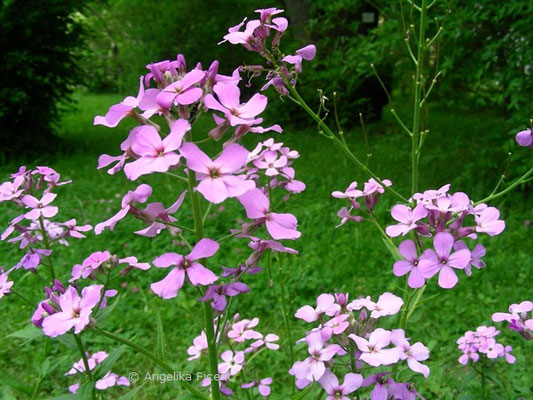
[(161, 363), (517, 182), (204, 218), (283, 297), (47, 246), (415, 140), (208, 311), (17, 293), (79, 343), (338, 142), (88, 372)]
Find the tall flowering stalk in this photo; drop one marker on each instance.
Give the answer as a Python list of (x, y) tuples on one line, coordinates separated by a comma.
[(439, 230)]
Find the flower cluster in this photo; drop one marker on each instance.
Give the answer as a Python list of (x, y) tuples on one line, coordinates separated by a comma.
[(255, 37), (32, 191), (370, 196), (445, 219), (243, 342), (347, 334), (483, 341), (110, 379), (520, 318)]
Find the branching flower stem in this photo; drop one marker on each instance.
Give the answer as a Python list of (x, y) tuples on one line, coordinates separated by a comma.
[(208, 312)]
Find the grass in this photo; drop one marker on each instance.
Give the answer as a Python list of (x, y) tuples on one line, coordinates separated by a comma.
[(467, 150)]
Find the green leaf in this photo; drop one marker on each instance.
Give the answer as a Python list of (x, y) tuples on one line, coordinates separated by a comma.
[(160, 333), (131, 394), (108, 363), (29, 332), (302, 394), (104, 313), (68, 341), (393, 250), (85, 391), (15, 383)]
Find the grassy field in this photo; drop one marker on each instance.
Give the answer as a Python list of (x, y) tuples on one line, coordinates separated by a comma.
[(467, 150)]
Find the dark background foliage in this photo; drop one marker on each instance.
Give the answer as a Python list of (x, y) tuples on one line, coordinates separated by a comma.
[(484, 54), (38, 68)]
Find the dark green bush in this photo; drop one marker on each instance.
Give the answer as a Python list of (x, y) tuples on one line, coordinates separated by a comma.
[(38, 70)]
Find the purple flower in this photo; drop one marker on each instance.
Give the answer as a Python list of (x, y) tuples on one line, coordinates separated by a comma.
[(157, 211), (412, 353), (156, 155), (5, 285), (487, 221), (525, 138), (218, 293), (407, 219), (89, 265), (410, 264), (182, 91), (314, 367), (74, 230), (229, 103), (139, 195), (108, 380), (74, 311), (233, 362), (217, 179), (199, 345), (335, 391), (11, 190), (263, 386), (443, 261), (33, 258), (40, 208), (119, 111), (476, 254), (325, 304), (373, 351), (279, 226), (185, 266)]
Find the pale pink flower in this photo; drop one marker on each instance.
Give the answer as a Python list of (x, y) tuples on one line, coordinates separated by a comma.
[(412, 353), (185, 266), (74, 311), (233, 362), (217, 179), (335, 391), (325, 304), (374, 351), (156, 155), (487, 221), (407, 219), (183, 91), (5, 285), (443, 261), (279, 226), (40, 208), (229, 103), (199, 346), (119, 111)]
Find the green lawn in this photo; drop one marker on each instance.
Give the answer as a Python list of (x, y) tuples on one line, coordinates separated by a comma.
[(467, 150)]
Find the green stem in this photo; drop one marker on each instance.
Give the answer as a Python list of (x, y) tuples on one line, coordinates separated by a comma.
[(415, 139), (47, 246), (161, 363), (338, 142), (507, 189), (88, 372), (208, 311), (16, 293)]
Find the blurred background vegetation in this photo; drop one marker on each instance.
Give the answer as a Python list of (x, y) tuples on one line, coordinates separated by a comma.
[(65, 61), (485, 53)]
